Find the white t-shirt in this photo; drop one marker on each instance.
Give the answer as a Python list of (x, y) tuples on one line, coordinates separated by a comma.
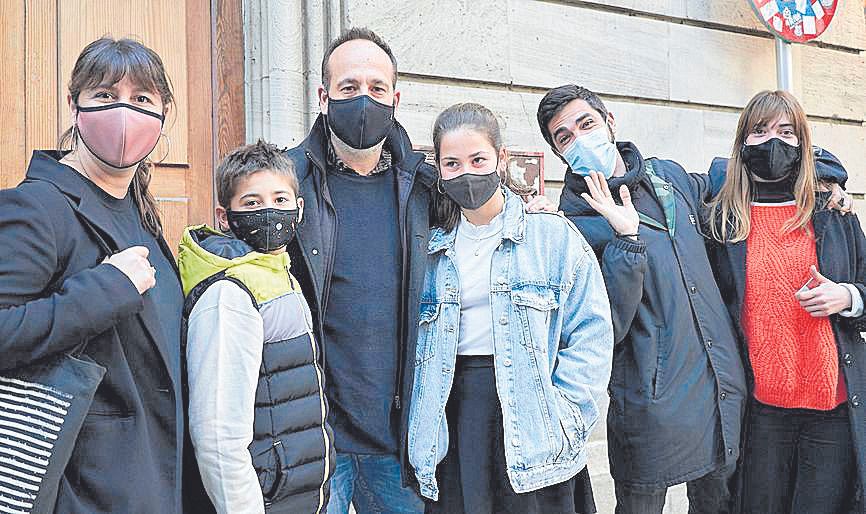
[(473, 248)]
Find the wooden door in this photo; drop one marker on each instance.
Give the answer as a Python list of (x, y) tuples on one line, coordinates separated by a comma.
[(39, 44)]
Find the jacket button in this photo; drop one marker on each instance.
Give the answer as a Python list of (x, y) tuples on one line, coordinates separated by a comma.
[(709, 343), (506, 362), (501, 280), (730, 451), (515, 442), (723, 395), (503, 320), (855, 400), (849, 361), (693, 289), (450, 328), (315, 251)]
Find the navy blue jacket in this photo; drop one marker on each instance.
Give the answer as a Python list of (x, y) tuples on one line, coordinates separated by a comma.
[(127, 457), (312, 252), (677, 388)]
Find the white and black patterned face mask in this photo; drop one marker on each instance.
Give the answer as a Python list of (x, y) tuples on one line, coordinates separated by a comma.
[(265, 230)]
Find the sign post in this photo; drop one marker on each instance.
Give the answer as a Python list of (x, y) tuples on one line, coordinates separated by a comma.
[(792, 21)]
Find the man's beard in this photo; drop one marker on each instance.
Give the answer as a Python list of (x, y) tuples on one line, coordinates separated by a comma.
[(353, 153)]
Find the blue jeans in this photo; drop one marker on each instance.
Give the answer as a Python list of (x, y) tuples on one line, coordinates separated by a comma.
[(372, 484)]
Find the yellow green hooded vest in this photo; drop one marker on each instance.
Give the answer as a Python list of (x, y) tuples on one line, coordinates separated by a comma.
[(292, 448)]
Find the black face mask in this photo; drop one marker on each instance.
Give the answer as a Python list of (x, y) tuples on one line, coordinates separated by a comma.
[(773, 160), (360, 122), (265, 230), (471, 191), (775, 163)]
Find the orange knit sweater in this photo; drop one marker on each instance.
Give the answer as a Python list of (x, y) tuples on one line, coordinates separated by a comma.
[(793, 355)]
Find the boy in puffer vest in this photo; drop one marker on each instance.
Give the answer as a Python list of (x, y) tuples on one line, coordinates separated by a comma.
[(257, 406)]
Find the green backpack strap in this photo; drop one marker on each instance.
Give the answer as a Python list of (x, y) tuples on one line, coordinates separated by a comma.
[(665, 193)]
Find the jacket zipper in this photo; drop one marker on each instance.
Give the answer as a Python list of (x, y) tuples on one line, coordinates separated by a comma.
[(401, 351)]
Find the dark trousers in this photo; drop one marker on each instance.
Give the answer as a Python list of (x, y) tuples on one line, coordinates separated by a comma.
[(798, 461), (473, 476), (709, 494)]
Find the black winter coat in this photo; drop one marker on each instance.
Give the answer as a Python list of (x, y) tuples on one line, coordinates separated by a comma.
[(54, 294), (312, 251), (841, 249), (677, 388)]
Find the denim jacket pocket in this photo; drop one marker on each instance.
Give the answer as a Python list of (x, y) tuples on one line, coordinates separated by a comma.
[(573, 425), (534, 305), (427, 332)]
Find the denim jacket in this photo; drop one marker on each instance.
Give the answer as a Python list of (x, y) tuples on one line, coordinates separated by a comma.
[(553, 345)]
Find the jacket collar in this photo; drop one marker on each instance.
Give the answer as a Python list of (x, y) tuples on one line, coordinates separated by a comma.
[(513, 228), (45, 166), (403, 157), (571, 203)]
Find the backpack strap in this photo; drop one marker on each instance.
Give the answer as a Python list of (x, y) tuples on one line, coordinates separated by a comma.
[(665, 194), (198, 291)]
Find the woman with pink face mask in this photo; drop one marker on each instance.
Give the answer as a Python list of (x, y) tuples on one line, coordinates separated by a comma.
[(83, 259)]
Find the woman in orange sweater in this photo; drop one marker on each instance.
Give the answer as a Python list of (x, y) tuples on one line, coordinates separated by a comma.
[(792, 274)]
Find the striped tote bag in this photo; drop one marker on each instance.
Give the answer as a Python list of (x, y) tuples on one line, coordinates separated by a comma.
[(42, 408)]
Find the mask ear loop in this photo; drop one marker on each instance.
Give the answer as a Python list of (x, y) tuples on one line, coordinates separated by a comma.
[(439, 185), (503, 173)]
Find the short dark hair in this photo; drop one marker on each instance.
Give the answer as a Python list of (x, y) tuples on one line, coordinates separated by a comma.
[(247, 160), (559, 97), (351, 35)]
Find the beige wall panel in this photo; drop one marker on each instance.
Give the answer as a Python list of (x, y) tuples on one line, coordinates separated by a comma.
[(836, 85), (550, 44), (848, 28), (468, 37), (613, 54), (159, 25)]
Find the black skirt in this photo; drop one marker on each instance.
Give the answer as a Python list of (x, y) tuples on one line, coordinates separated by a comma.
[(472, 478)]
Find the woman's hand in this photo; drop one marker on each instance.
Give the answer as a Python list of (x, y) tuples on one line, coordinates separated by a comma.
[(622, 218), (826, 298), (133, 263)]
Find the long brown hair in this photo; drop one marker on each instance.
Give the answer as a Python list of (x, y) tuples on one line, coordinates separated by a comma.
[(109, 60), (729, 215), (445, 211)]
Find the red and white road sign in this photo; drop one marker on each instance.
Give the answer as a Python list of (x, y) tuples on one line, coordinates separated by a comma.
[(795, 21)]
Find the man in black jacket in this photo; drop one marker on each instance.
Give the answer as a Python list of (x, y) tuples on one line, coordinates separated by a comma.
[(360, 256), (678, 385)]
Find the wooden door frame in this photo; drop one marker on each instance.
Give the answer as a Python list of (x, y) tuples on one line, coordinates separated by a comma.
[(216, 63)]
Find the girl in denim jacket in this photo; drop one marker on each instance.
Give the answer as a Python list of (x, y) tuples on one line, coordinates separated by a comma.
[(514, 344)]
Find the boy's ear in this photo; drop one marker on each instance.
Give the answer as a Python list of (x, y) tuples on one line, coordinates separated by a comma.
[(300, 209), (222, 218)]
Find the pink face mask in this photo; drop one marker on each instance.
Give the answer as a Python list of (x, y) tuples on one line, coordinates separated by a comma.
[(118, 134)]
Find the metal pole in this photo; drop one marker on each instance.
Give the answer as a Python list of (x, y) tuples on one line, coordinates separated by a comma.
[(784, 65)]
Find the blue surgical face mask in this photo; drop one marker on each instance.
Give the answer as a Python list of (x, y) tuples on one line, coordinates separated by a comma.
[(592, 152)]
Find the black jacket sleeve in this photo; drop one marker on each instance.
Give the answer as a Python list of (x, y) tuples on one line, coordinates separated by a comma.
[(623, 265), (34, 321), (860, 274)]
